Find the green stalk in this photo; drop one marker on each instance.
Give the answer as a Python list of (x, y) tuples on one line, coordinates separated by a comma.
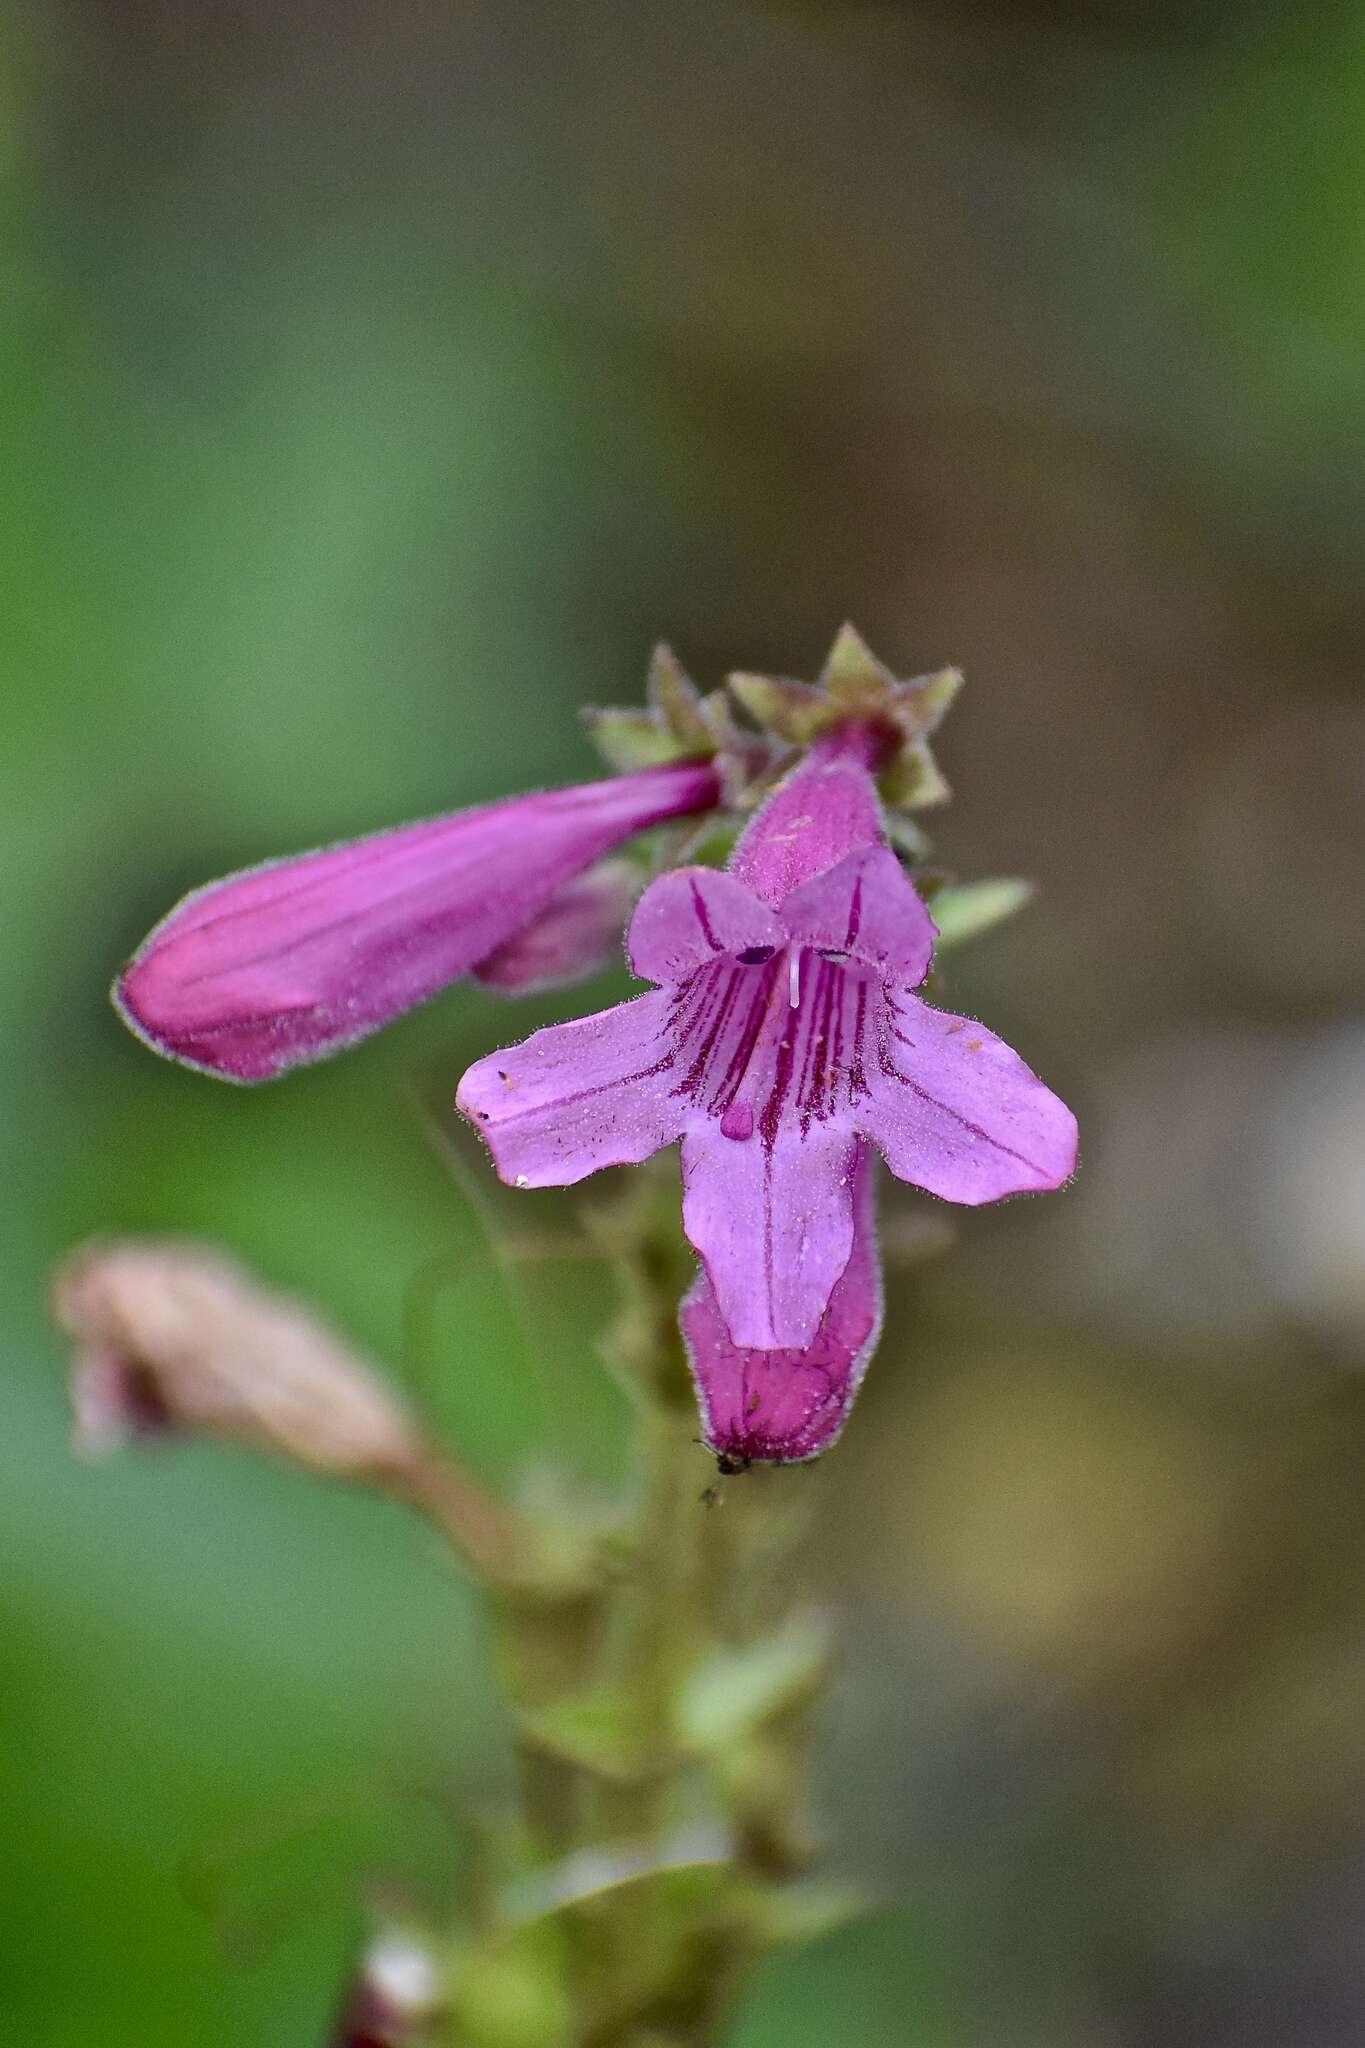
[(653, 1644)]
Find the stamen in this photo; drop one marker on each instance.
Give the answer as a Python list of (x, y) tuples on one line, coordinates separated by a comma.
[(794, 967)]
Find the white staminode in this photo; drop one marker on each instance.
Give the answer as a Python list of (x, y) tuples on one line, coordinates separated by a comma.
[(794, 968)]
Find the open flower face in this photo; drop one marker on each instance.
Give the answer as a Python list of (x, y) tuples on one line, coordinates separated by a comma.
[(782, 1037)]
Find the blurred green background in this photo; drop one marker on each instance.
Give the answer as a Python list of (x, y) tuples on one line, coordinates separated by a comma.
[(377, 385)]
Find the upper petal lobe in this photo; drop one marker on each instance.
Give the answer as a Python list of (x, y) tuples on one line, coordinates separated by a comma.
[(865, 908), (688, 917), (820, 813)]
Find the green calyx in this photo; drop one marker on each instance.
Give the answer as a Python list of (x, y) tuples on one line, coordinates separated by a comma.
[(778, 718), (676, 724), (854, 687)]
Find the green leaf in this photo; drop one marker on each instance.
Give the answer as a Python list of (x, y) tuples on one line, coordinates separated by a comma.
[(512, 1992), (736, 1693), (965, 909), (596, 1731), (685, 1873), (793, 1913), (908, 838)]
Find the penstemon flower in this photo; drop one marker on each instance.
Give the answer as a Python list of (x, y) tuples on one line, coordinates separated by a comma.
[(658, 1845), (781, 1040)]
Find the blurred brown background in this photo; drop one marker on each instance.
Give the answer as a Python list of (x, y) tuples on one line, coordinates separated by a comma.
[(377, 386)]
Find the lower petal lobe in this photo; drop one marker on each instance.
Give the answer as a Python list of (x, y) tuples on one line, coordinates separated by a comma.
[(952, 1109), (577, 1097), (772, 1218)]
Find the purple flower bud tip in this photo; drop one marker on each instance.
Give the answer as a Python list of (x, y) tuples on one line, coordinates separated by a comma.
[(781, 1040), (291, 961)]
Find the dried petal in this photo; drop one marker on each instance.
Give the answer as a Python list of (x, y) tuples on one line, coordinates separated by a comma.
[(176, 1337)]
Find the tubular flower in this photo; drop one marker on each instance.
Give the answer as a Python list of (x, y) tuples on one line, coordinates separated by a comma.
[(289, 962), (782, 1038)]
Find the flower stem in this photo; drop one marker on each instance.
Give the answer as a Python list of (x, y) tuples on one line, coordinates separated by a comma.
[(652, 1646), (496, 1544), (656, 1623)]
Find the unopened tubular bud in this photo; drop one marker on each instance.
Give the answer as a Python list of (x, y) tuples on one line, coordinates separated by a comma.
[(291, 961)]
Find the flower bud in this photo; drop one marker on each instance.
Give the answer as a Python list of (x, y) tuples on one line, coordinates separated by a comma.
[(172, 1336), (290, 961)]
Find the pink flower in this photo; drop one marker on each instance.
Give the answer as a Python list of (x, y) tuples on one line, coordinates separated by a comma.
[(781, 1040), (293, 960)]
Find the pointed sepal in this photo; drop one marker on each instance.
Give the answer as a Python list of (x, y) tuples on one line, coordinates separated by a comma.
[(795, 712), (855, 688), (912, 780), (674, 696), (628, 739), (678, 723), (853, 678)]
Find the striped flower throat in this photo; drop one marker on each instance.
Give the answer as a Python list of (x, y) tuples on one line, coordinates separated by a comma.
[(771, 1033)]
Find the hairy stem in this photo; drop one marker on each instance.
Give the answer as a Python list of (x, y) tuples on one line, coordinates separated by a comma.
[(653, 1642)]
